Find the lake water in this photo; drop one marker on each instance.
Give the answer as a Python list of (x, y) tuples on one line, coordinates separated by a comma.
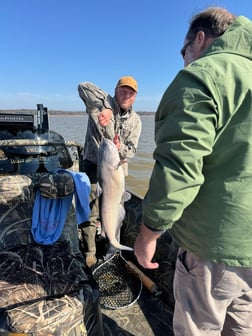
[(140, 167)]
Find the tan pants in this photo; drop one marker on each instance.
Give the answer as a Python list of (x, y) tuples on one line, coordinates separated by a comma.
[(211, 299)]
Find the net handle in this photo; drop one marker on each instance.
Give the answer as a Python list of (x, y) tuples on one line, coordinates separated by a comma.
[(147, 282)]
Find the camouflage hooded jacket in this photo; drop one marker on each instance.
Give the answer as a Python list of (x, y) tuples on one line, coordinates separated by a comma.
[(128, 125)]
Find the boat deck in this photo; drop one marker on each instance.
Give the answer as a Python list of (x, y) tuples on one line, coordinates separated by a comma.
[(152, 313), (149, 316)]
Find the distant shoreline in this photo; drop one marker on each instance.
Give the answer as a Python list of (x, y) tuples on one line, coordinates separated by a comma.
[(61, 113)]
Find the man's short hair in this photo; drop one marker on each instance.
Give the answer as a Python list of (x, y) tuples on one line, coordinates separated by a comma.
[(213, 21)]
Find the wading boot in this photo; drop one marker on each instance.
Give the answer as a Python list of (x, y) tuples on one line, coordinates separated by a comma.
[(89, 233)]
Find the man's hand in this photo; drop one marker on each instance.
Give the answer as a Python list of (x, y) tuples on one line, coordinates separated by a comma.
[(117, 141), (145, 247), (104, 117)]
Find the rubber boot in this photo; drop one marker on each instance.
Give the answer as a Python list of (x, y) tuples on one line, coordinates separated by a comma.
[(89, 234)]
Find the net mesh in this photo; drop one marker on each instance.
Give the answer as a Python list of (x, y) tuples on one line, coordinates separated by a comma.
[(119, 287)]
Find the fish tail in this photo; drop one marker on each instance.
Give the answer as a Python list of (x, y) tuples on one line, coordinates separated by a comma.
[(121, 247)]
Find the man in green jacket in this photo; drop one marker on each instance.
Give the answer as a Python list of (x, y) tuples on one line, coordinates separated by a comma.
[(201, 184)]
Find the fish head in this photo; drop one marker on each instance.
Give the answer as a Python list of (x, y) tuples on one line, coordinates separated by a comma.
[(108, 152)]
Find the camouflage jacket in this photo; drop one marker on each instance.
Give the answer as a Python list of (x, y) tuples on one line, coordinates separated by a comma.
[(128, 125)]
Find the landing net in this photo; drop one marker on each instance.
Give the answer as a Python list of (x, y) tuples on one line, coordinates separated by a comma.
[(119, 287)]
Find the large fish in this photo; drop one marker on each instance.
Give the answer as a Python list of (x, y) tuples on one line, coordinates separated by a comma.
[(111, 186)]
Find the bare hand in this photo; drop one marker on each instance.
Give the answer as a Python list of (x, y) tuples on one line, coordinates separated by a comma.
[(145, 247), (117, 141), (104, 117)]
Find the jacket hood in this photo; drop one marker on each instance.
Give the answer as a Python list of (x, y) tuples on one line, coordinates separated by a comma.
[(236, 40)]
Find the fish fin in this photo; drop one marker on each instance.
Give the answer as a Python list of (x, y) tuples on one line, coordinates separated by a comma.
[(126, 196), (116, 245), (121, 217), (122, 162), (98, 189), (95, 140)]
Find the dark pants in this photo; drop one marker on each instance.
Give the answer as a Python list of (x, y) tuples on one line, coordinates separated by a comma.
[(88, 229)]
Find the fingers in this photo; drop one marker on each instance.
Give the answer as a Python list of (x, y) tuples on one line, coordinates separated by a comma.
[(104, 117), (145, 247), (116, 141), (148, 264), (116, 138)]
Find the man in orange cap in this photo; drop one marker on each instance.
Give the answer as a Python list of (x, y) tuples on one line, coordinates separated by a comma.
[(115, 119)]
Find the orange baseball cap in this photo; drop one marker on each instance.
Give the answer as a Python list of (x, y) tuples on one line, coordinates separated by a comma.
[(128, 81)]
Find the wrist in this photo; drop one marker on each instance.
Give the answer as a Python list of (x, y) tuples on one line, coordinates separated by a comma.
[(147, 234)]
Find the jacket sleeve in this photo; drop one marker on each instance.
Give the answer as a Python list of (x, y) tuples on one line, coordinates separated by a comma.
[(95, 100), (129, 144), (185, 130)]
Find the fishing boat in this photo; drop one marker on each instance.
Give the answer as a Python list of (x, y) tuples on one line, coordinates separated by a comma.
[(46, 288)]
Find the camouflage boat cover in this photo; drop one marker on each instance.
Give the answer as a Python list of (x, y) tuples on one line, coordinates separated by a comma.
[(58, 316), (36, 272), (44, 289), (15, 189)]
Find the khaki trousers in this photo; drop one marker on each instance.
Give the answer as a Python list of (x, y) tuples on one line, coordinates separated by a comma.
[(211, 299)]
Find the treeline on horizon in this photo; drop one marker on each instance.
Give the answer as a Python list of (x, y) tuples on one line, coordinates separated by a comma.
[(58, 112)]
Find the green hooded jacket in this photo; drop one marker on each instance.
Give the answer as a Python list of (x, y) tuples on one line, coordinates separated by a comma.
[(201, 184)]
